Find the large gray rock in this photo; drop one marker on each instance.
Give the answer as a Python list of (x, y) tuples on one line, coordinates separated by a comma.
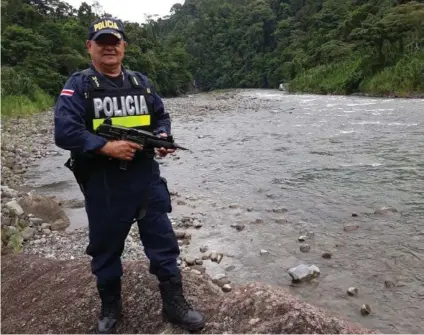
[(304, 272), (28, 233), (15, 208), (8, 192), (44, 208)]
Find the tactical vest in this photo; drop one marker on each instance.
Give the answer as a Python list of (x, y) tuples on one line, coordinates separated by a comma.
[(129, 106)]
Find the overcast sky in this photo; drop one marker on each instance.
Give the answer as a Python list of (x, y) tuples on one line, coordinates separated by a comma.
[(132, 10)]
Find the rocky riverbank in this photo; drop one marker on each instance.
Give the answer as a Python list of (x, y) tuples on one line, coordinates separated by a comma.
[(26, 216)]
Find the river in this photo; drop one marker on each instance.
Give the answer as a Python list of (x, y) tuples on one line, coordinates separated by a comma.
[(288, 165)]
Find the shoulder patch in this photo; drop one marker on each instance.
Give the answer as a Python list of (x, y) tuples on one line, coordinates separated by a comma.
[(67, 92)]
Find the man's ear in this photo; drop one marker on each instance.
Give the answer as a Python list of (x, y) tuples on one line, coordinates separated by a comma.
[(88, 44)]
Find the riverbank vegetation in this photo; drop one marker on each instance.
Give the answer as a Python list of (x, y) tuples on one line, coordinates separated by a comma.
[(319, 46)]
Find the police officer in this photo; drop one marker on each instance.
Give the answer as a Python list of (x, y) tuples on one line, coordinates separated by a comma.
[(116, 198)]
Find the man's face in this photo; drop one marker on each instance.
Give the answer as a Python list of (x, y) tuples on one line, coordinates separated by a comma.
[(106, 50)]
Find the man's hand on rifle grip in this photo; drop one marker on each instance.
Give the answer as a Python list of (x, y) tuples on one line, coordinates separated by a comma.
[(123, 150)]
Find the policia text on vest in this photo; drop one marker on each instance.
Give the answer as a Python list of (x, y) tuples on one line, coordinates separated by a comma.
[(129, 110), (127, 105)]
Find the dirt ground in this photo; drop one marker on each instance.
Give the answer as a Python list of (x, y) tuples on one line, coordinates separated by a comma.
[(39, 295)]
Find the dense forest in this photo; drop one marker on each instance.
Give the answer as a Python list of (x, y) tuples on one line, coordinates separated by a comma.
[(319, 46)]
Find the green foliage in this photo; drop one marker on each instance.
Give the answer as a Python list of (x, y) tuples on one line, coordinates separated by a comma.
[(322, 46), (13, 105), (43, 43), (403, 79), (337, 78)]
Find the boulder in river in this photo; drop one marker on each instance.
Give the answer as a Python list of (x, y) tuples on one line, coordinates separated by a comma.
[(304, 272)]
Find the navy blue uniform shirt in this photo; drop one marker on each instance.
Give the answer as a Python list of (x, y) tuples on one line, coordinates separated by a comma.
[(70, 131)]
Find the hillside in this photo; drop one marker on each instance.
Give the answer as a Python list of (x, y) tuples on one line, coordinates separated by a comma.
[(325, 46)]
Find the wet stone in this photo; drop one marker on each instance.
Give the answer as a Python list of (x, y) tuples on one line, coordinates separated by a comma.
[(190, 260), (352, 291), (304, 272), (326, 255), (305, 248), (365, 309), (350, 228), (226, 288)]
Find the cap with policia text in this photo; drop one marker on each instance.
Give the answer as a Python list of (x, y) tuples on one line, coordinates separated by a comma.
[(106, 26)]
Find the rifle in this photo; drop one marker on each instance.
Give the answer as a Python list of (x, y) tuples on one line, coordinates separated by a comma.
[(144, 138)]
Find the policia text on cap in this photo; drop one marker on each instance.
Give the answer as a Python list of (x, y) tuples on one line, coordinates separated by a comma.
[(115, 198)]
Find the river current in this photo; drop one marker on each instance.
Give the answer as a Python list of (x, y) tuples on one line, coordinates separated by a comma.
[(287, 165)]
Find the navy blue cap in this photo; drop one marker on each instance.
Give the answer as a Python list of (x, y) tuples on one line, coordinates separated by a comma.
[(106, 26)]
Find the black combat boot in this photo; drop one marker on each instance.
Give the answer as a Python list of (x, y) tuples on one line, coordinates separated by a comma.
[(176, 309), (111, 309)]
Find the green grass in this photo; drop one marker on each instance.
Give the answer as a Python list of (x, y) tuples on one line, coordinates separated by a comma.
[(334, 78), (20, 105), (404, 79)]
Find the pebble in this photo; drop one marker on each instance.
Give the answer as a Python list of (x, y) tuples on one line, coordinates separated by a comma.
[(219, 258), (15, 207), (226, 288), (264, 252), (37, 221), (254, 321), (28, 233), (180, 234), (197, 224), (238, 227), (279, 210), (302, 238), (365, 309), (196, 272), (352, 291), (389, 284), (327, 255), (349, 228), (46, 231), (305, 247), (203, 248)]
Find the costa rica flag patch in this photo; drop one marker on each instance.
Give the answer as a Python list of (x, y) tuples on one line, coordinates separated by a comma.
[(68, 93)]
